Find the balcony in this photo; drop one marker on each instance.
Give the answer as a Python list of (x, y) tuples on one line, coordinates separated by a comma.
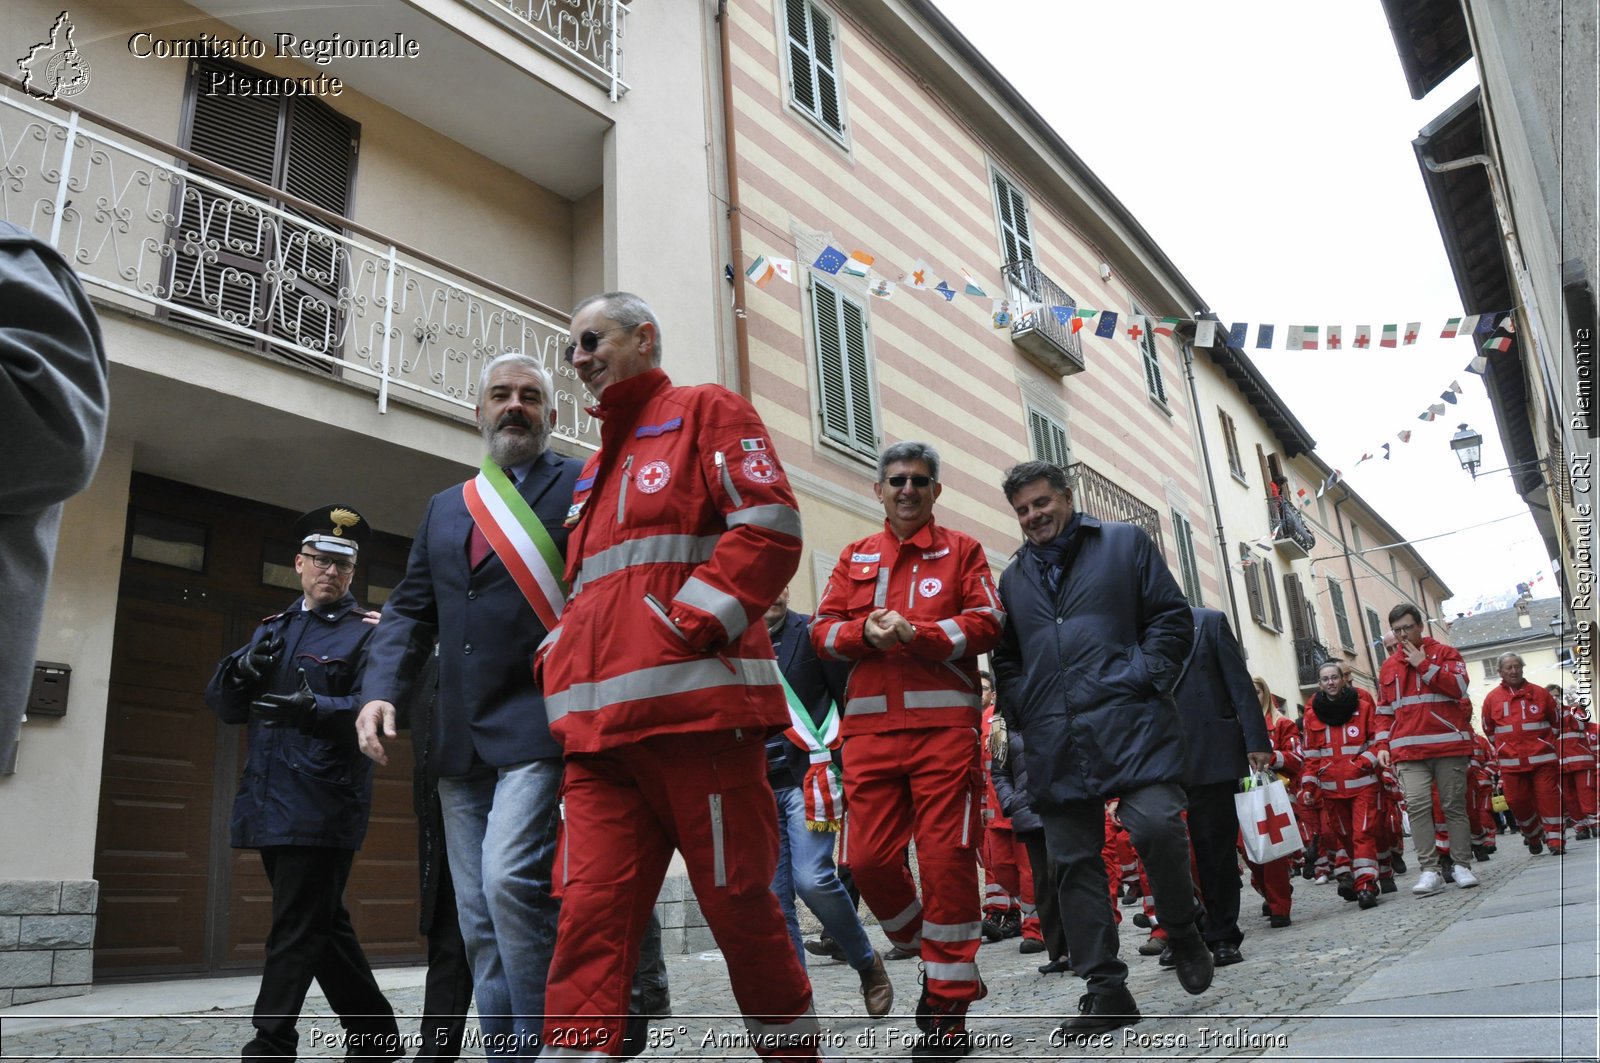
[(162, 233), (1289, 532), (1309, 656), (1101, 498), (1053, 345), (587, 32)]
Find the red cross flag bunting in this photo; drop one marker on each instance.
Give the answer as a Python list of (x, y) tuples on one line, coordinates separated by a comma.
[(1134, 331), (1363, 338)]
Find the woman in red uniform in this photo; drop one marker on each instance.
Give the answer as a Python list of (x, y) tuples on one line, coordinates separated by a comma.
[(1271, 880)]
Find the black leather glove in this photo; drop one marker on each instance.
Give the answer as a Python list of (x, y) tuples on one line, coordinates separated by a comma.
[(252, 666), (298, 710)]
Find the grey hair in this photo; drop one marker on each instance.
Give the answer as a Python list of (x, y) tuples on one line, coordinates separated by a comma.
[(628, 311), (1504, 657), (910, 450), (525, 361), (1025, 473)]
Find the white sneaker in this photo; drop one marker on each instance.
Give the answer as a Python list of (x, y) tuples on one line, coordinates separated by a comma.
[(1320, 880), (1431, 882), (1464, 877)]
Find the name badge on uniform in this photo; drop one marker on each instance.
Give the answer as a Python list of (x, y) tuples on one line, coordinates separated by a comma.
[(935, 554), (572, 514), (863, 559)]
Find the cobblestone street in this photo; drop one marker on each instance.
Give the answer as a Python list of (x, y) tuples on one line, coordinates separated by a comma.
[(1506, 970)]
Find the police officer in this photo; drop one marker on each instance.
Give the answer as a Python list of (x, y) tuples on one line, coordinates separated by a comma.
[(307, 790)]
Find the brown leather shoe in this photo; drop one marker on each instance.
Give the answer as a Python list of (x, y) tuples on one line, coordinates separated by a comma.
[(876, 989)]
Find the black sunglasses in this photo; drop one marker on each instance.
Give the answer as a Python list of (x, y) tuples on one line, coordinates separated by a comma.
[(589, 340), (900, 481)]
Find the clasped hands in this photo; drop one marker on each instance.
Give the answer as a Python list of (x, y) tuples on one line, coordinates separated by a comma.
[(884, 628)]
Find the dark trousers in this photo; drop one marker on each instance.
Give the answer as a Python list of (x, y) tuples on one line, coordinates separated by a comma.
[(312, 938), (1214, 830), (1045, 893), (448, 993), (1075, 834)]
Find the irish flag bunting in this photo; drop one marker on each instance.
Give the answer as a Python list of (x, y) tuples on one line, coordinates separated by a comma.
[(518, 538)]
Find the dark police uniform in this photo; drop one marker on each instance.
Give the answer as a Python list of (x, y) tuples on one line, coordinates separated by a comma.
[(303, 801)]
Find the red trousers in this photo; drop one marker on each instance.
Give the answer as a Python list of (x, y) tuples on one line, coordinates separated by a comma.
[(1008, 861), (924, 783), (1348, 824), (1111, 854), (626, 810), (1578, 796), (1000, 885), (1535, 800), (1271, 880)]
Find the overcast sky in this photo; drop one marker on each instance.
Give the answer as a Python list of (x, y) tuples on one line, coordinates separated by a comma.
[(1266, 147)]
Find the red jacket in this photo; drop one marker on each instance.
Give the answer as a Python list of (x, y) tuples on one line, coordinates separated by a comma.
[(1521, 722), (1575, 742), (993, 814), (1287, 759), (684, 532), (939, 581), (1343, 759), (1426, 713)]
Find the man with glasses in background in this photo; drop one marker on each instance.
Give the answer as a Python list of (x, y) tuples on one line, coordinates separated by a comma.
[(483, 579), (1425, 731), (306, 791), (912, 606)]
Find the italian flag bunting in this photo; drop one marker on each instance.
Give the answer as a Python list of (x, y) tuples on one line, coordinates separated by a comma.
[(1391, 336)]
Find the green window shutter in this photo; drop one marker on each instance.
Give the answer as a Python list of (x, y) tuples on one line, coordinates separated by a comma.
[(843, 369), (1252, 581), (1341, 618)]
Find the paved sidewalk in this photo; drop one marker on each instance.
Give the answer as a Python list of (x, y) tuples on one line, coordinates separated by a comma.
[(1503, 972)]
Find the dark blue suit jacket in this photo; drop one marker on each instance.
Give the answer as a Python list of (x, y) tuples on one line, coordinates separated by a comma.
[(1217, 702), (488, 710)]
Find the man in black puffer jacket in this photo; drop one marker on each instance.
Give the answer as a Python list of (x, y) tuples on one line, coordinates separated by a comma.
[(1096, 634)]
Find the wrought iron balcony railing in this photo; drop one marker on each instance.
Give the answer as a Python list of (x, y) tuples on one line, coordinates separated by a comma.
[(1309, 656), (1289, 531), (1036, 329), (588, 32), (154, 229), (1099, 497)]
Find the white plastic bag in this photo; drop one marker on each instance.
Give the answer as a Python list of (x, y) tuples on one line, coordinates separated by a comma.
[(1266, 819)]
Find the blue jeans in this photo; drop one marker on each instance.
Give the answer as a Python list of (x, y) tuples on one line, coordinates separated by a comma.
[(805, 867), (499, 833)]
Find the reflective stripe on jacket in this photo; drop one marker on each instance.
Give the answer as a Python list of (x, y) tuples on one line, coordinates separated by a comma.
[(1425, 713), (1343, 759)]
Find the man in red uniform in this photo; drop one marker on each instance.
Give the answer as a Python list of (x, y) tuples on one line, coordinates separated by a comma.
[(1576, 749), (661, 686), (913, 606), (1521, 720), (1426, 730), (1340, 761)]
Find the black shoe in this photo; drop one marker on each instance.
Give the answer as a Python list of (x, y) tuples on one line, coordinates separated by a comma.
[(1099, 1012), (1397, 864), (1030, 946), (1192, 961), (1166, 959), (948, 1040), (1480, 853), (1279, 921), (1266, 909), (826, 946), (1061, 966), (1225, 955), (1141, 921), (994, 927), (1535, 846), (1367, 897), (1347, 889), (1012, 925), (1386, 885)]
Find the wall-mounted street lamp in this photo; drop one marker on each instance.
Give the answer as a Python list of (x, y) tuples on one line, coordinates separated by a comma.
[(1468, 446)]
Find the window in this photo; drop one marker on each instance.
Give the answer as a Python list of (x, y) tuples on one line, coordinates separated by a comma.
[(1355, 536), (164, 540), (1016, 234), (1048, 438), (1489, 669), (1394, 570), (1250, 565), (1269, 580), (839, 329), (1336, 596), (1230, 437), (1374, 629), (260, 271), (1153, 381), (814, 64), (1188, 567)]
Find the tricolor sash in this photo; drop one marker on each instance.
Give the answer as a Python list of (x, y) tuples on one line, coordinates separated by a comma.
[(822, 788), (519, 539)]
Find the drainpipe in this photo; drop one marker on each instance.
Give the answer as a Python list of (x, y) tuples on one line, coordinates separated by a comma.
[(1350, 568), (741, 330), (1211, 485)]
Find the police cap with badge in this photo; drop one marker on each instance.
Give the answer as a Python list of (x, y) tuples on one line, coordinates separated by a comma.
[(333, 529)]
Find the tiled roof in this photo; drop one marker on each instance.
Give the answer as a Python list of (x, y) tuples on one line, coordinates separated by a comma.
[(1500, 625)]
